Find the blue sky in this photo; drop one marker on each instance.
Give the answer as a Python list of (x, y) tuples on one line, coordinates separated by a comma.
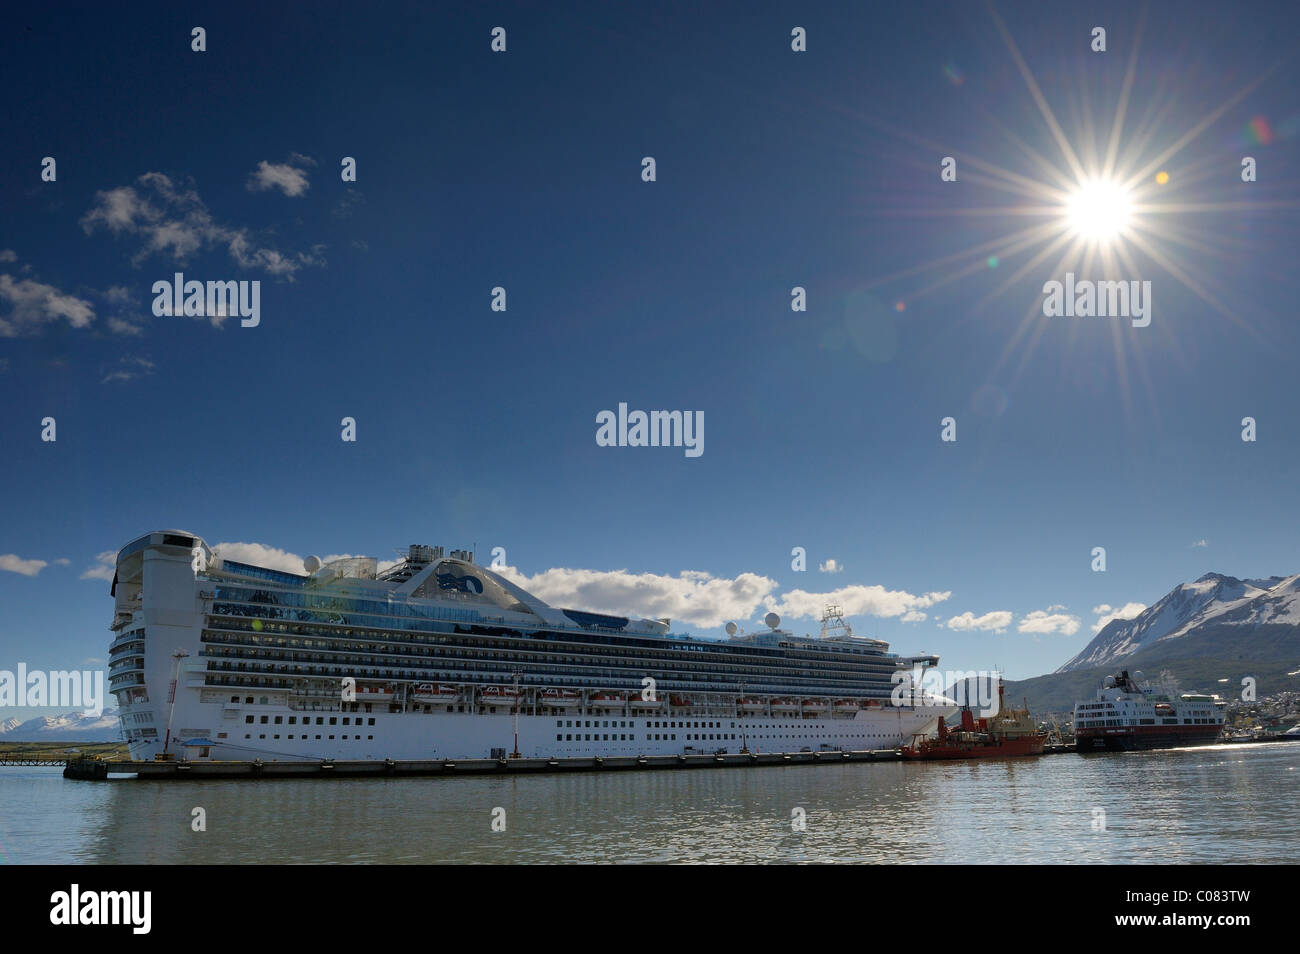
[(523, 169)]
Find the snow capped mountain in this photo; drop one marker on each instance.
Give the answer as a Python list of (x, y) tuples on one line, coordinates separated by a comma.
[(73, 727), (1213, 599)]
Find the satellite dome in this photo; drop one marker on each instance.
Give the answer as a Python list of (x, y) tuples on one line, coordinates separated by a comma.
[(731, 629), (1109, 682), (1139, 676), (772, 620), (312, 564)]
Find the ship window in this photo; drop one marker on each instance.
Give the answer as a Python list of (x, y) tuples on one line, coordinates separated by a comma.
[(248, 719), (279, 720), (333, 721), (370, 722), (263, 720), (249, 700)]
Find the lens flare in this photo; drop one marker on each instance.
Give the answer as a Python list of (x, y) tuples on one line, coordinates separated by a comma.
[(1099, 210)]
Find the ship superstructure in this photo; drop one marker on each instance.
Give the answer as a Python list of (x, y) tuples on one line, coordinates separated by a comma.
[(1129, 713), (438, 657)]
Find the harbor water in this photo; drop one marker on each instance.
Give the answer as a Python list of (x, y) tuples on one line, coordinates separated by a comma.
[(1229, 804)]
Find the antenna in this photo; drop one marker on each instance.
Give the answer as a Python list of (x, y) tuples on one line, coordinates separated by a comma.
[(833, 622)]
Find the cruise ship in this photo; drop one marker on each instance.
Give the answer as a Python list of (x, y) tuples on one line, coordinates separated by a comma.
[(1128, 713), (438, 657)]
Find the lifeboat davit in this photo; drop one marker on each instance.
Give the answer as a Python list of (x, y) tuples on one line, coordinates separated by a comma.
[(427, 690), (558, 697), (374, 694), (816, 705), (784, 705)]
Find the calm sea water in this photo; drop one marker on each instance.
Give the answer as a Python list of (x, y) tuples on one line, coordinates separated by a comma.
[(1228, 804)]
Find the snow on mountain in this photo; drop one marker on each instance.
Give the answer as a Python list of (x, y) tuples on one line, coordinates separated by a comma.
[(72, 727), (1214, 598)]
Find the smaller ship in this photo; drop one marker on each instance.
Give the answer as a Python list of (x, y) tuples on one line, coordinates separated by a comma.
[(1010, 733), (1128, 713)]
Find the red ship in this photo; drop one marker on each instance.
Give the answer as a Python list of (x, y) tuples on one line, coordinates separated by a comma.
[(1007, 734)]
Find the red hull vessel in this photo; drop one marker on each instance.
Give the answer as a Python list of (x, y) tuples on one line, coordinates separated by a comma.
[(1009, 734)]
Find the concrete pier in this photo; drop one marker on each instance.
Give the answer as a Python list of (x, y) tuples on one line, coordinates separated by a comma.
[(99, 770)]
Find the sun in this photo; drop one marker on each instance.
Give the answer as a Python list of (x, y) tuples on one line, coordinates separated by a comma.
[(1098, 210)]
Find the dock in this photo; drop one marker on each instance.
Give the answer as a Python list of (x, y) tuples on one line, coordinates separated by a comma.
[(103, 769)]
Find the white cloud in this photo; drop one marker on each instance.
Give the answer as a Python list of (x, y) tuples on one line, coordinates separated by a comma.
[(288, 178), (1201, 543), (259, 554), (855, 600), (692, 596), (34, 303), (104, 568), (62, 561), (1041, 622), (175, 224), (830, 566), (121, 327), (1056, 607), (8, 255), (1105, 613), (129, 367), (996, 621), (13, 563)]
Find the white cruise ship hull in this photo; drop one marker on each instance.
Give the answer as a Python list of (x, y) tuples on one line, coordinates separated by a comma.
[(213, 660)]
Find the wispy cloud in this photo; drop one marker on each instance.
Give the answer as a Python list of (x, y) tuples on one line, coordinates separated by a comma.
[(1105, 613), (856, 600), (830, 566), (129, 367), (289, 177), (8, 255), (175, 223), (259, 554), (691, 596), (104, 567), (995, 622), (1201, 543), (33, 304), (1043, 622), (12, 563)]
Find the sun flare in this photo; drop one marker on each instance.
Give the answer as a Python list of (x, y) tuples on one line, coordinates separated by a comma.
[(1098, 210)]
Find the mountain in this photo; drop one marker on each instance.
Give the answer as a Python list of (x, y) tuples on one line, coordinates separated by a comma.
[(1212, 599), (73, 727), (1205, 636)]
